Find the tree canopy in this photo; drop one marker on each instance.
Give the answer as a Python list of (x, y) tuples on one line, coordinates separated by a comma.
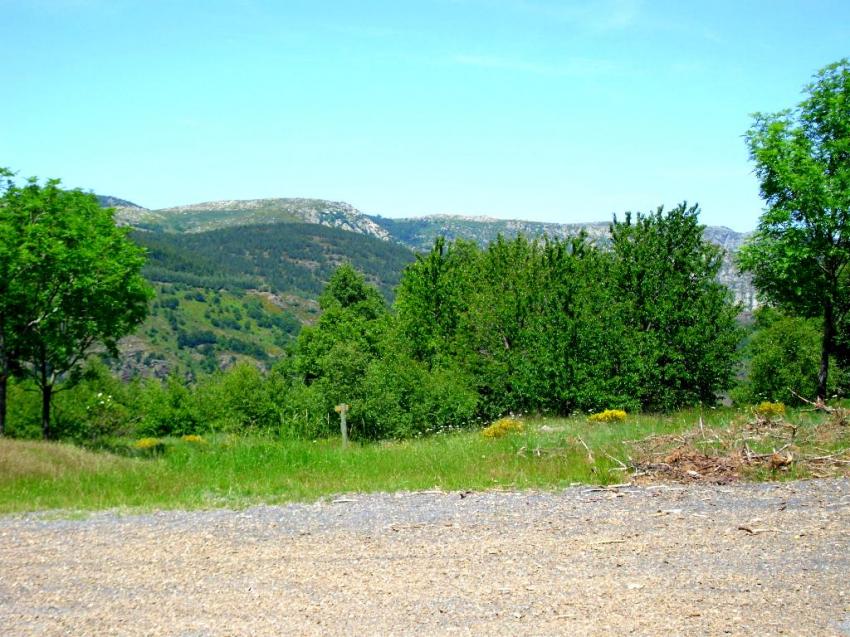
[(564, 325), (679, 317), (75, 285), (801, 248)]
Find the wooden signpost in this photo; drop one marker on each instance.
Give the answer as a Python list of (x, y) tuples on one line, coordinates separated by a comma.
[(342, 410)]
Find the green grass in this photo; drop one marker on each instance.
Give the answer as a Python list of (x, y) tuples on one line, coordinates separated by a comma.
[(236, 471)]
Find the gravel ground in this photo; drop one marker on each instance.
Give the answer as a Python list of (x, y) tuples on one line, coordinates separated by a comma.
[(744, 559)]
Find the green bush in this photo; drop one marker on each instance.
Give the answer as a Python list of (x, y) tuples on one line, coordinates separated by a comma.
[(783, 355), (400, 398), (304, 413), (236, 400), (23, 419), (167, 409), (93, 405)]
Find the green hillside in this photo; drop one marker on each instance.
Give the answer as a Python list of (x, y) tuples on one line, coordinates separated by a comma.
[(416, 233), (283, 258), (243, 292), (192, 330)]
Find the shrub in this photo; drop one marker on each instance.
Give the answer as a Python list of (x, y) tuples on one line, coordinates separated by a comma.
[(609, 415), (400, 398), (769, 411), (783, 355), (96, 404), (149, 446), (168, 409), (237, 400), (503, 427), (195, 338), (193, 439)]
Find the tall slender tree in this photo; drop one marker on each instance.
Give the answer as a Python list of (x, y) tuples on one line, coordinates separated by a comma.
[(800, 251)]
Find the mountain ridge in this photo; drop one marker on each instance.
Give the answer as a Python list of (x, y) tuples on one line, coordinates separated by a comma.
[(415, 233)]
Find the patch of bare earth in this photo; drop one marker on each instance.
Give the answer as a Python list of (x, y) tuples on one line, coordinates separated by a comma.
[(741, 559)]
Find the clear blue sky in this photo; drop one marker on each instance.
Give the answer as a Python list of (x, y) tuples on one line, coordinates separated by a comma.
[(537, 109)]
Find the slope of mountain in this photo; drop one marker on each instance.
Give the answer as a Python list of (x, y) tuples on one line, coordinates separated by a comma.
[(419, 233), (416, 233), (242, 293), (282, 258)]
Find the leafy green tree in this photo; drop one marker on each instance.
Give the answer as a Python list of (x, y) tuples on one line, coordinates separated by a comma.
[(336, 352), (680, 321), (434, 293), (355, 354), (572, 347), (782, 356), (561, 325), (347, 289), (801, 248), (519, 319), (78, 284)]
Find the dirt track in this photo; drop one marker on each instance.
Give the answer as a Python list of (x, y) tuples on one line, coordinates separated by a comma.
[(644, 561)]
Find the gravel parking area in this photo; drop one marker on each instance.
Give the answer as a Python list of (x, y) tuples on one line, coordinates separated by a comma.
[(743, 559)]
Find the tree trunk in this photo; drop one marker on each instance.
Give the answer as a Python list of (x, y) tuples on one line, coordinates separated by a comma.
[(46, 392), (4, 377), (826, 348)]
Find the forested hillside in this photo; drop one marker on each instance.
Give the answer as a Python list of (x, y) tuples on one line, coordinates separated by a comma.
[(242, 293), (286, 258)]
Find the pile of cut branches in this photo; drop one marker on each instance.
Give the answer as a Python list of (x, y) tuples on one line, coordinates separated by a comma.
[(759, 446)]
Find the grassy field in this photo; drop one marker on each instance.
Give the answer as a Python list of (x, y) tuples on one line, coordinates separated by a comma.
[(231, 471)]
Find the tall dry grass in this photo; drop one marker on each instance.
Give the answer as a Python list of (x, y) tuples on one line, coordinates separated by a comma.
[(36, 459)]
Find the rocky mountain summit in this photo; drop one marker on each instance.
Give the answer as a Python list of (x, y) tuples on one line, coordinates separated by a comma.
[(107, 201), (213, 215)]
